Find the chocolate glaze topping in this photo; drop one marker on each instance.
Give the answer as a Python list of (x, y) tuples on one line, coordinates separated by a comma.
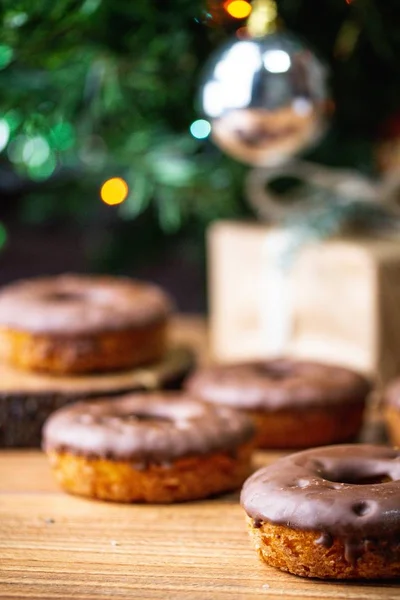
[(71, 304), (350, 492), (145, 427), (279, 383)]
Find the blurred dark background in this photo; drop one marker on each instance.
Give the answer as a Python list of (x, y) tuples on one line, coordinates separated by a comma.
[(173, 261), (96, 89)]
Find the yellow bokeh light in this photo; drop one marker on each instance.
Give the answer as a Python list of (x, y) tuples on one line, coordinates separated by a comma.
[(114, 191), (238, 9)]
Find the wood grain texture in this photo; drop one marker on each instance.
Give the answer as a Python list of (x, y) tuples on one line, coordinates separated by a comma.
[(57, 546), (54, 546)]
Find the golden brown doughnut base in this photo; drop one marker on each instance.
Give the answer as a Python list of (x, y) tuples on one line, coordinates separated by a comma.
[(67, 354), (299, 553), (319, 426), (392, 418), (191, 478)]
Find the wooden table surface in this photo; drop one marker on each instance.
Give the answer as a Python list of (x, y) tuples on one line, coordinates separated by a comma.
[(58, 546)]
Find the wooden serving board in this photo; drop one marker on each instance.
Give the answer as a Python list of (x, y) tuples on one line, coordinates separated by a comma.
[(27, 399), (55, 546)]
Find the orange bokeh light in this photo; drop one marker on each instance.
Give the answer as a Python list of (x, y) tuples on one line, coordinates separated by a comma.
[(114, 191), (238, 9)]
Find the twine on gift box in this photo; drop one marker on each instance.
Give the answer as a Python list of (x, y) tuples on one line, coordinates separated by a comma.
[(324, 204)]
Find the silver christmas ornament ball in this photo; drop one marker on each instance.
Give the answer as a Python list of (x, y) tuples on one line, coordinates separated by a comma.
[(266, 98)]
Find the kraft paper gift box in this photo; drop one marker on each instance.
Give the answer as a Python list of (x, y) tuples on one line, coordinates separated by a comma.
[(338, 301)]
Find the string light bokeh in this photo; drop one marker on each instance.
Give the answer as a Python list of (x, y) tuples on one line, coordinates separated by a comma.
[(238, 9), (200, 129), (114, 191)]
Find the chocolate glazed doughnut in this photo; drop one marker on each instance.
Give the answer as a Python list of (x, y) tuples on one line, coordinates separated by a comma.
[(294, 403), (80, 324), (330, 512), (158, 447)]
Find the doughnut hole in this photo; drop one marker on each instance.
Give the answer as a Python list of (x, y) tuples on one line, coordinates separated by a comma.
[(276, 370), (147, 418), (135, 417), (341, 475), (64, 297)]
